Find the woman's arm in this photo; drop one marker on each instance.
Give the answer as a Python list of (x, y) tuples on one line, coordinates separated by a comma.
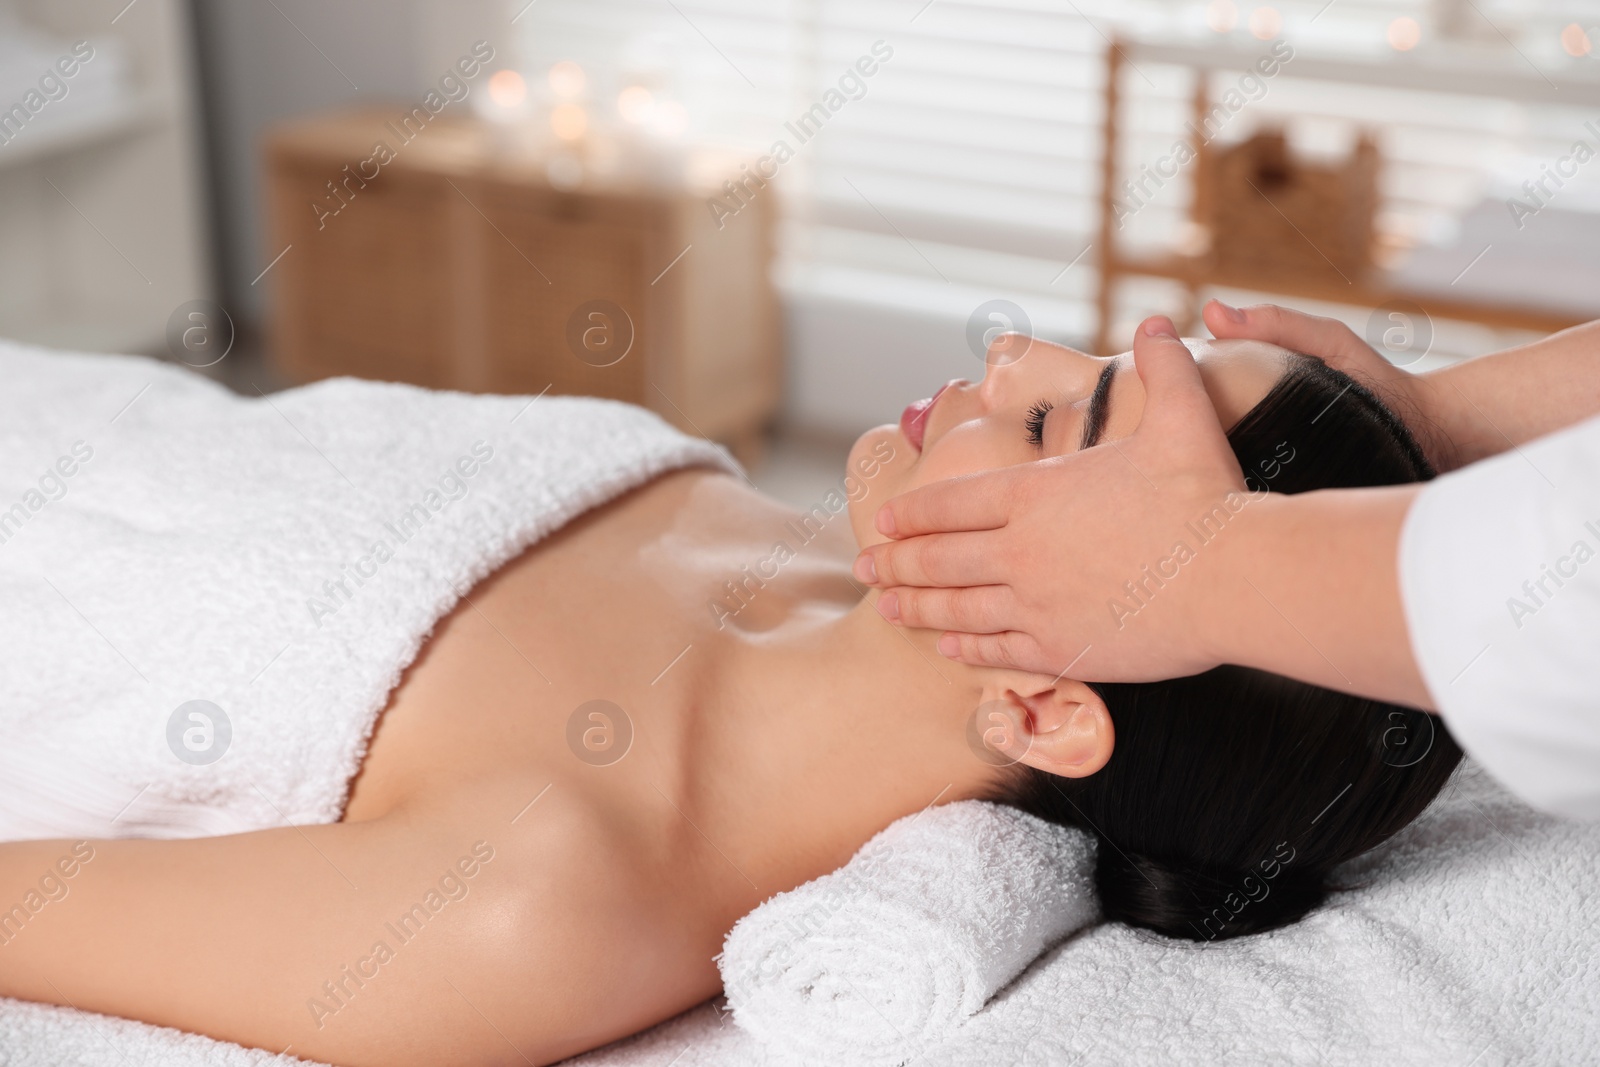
[(383, 942), (1461, 413), (268, 939), (467, 927)]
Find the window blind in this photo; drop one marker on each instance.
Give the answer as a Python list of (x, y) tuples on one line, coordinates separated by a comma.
[(967, 166)]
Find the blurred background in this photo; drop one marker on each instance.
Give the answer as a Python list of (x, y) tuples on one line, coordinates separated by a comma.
[(778, 222)]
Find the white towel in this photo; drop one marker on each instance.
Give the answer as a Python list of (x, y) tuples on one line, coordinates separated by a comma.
[(886, 956), (163, 541)]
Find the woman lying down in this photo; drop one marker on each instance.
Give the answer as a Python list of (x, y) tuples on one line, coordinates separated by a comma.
[(759, 724)]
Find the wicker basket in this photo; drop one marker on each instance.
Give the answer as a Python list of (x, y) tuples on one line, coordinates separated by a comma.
[(1269, 212)]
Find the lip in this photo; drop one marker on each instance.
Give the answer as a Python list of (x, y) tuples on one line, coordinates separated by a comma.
[(914, 419)]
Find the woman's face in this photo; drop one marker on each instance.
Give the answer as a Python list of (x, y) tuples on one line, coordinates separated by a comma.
[(1048, 401)]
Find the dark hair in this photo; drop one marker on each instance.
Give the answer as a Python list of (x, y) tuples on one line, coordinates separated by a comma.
[(1231, 795)]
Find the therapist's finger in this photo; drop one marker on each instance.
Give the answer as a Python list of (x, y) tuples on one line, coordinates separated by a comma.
[(971, 502), (1013, 649), (1326, 339), (957, 559), (984, 609)]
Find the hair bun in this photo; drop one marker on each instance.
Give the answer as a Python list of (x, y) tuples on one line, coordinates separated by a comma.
[(1180, 899)]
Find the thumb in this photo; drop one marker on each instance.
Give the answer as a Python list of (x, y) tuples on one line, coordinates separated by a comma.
[(1175, 396)]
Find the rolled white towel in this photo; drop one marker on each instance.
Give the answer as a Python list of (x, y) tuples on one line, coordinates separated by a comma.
[(874, 962)]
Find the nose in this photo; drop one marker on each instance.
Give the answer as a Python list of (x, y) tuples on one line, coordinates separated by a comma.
[(1003, 365), (1018, 363), (1007, 348)]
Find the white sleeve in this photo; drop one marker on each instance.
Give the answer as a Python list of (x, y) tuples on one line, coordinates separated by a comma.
[(1500, 576)]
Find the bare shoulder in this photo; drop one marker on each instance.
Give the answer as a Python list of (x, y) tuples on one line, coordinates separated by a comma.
[(449, 932)]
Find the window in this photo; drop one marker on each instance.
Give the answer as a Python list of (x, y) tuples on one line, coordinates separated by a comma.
[(968, 166)]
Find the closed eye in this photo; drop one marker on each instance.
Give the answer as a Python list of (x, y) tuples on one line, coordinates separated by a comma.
[(1035, 422)]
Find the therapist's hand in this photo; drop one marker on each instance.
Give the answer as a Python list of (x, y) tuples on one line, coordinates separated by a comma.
[(1427, 408), (1031, 557)]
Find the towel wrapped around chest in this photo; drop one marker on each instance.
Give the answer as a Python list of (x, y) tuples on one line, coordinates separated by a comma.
[(209, 597)]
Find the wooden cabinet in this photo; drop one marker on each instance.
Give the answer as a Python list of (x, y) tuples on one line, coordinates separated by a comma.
[(454, 265)]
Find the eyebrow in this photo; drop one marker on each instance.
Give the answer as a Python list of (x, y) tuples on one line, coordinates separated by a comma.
[(1094, 423)]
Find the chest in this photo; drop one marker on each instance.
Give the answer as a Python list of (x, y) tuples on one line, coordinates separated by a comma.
[(577, 663)]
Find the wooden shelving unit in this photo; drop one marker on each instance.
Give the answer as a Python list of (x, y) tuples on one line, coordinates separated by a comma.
[(1439, 72)]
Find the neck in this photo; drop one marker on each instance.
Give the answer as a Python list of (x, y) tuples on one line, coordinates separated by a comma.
[(834, 723)]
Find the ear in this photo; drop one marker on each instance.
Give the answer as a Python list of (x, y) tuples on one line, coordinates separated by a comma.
[(1058, 726)]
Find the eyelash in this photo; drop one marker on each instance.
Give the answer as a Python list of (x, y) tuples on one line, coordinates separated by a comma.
[(1035, 422)]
